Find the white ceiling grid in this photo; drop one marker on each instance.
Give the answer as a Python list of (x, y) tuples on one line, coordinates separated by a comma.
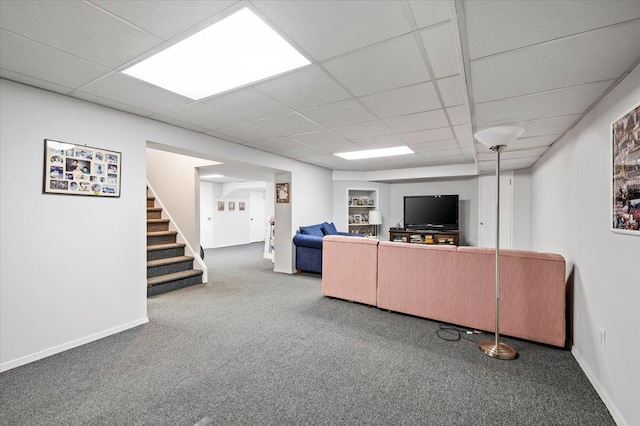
[(383, 73)]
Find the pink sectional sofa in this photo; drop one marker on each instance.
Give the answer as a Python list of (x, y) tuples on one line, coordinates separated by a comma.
[(453, 284)]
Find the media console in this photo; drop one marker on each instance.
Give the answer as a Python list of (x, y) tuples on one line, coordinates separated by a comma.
[(424, 236)]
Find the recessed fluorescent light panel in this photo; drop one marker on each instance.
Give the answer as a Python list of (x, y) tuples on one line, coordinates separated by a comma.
[(211, 176), (235, 51), (375, 153)]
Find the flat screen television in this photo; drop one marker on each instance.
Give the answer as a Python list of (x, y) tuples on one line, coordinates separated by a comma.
[(431, 212)]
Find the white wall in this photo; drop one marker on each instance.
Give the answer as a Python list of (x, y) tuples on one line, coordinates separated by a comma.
[(466, 188), (73, 269), (570, 215), (521, 220), (207, 207), (54, 295)]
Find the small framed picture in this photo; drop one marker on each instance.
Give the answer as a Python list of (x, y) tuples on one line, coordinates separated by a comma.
[(282, 192), (220, 206), (241, 206), (232, 206)]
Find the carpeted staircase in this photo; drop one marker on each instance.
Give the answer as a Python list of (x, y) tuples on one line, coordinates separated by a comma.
[(167, 267)]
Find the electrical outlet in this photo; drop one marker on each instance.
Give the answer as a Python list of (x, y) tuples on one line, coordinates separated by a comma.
[(601, 336)]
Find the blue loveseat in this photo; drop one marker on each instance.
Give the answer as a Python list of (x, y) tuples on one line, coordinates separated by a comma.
[(308, 242)]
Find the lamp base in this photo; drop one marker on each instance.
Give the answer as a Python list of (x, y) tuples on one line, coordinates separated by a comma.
[(502, 351)]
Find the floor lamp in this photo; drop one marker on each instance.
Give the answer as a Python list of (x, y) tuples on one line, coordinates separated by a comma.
[(497, 139)]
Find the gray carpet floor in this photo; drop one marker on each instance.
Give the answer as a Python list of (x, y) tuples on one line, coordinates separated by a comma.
[(252, 347)]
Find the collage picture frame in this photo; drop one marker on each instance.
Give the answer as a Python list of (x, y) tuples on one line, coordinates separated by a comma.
[(72, 169)]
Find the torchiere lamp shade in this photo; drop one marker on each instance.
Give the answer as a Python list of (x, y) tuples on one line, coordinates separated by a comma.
[(498, 135)]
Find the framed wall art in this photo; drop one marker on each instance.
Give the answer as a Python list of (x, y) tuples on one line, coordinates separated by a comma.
[(625, 173), (81, 170), (282, 192)]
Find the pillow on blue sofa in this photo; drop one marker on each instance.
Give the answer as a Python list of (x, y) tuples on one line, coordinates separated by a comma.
[(312, 230), (329, 229)]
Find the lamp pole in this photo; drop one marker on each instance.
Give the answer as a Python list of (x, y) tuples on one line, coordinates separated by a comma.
[(494, 348)]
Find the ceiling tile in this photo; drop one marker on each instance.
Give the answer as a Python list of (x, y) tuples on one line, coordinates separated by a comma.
[(31, 81), (345, 25), (175, 122), (165, 19), (532, 22), (435, 154), (136, 93), (452, 90), (376, 68), (248, 104), (279, 144), (202, 116), (432, 135), (464, 134), (289, 124), (111, 104), (449, 145), (459, 114), (566, 62), (339, 113), (24, 56), (344, 146), (322, 137), (94, 34), (363, 130), (427, 13), (572, 100), (303, 88), (442, 50), (406, 100), (420, 121), (247, 132), (380, 142), (300, 152), (544, 126)]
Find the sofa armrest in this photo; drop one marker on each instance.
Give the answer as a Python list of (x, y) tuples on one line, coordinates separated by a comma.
[(305, 240)]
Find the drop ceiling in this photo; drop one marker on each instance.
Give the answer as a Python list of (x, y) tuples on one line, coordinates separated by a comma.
[(427, 74)]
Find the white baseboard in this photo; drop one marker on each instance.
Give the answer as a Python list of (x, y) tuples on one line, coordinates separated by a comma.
[(284, 271), (69, 345), (617, 417)]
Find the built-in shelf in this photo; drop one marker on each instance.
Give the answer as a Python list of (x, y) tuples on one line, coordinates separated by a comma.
[(360, 202)]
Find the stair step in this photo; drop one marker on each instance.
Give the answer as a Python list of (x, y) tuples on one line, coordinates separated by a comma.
[(168, 265), (151, 201), (163, 279), (154, 212), (165, 246), (168, 261), (161, 237), (161, 233), (162, 251), (154, 225)]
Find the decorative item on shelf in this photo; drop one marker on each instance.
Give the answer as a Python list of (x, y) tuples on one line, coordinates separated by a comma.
[(375, 219), (428, 239), (496, 139)]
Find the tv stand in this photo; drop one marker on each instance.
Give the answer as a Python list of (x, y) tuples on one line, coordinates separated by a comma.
[(421, 236)]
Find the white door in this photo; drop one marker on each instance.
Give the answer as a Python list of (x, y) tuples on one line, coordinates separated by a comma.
[(257, 216), (487, 211), (206, 214)]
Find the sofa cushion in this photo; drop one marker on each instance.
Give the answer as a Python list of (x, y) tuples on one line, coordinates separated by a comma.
[(312, 230), (329, 229)]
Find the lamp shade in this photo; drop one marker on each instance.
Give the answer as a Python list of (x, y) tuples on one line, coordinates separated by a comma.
[(375, 217), (498, 135)]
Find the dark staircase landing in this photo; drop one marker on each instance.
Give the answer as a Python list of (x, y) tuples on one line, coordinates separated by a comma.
[(167, 267)]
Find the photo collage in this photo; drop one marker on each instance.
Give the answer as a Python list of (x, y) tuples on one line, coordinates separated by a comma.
[(81, 170)]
